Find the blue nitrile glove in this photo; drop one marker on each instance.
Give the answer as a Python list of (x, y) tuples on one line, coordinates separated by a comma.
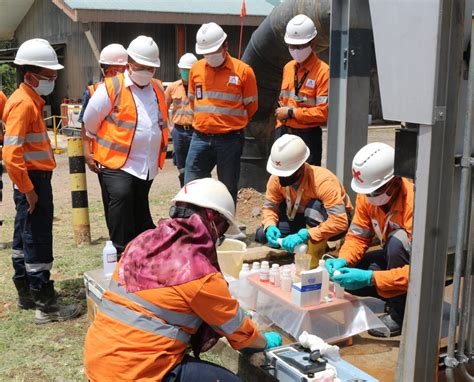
[(272, 233), (334, 264), (353, 278), (273, 340), (291, 241)]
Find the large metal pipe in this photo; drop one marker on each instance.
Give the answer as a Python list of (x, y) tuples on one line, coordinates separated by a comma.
[(267, 54)]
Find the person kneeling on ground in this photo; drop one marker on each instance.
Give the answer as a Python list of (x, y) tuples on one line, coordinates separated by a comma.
[(298, 196), (167, 292), (384, 208)]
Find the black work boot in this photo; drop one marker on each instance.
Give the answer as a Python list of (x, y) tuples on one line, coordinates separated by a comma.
[(48, 309), (392, 319), (25, 300)]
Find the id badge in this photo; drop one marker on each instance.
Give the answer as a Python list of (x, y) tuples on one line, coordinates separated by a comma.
[(199, 91)]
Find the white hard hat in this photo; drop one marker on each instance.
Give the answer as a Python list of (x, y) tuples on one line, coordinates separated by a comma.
[(113, 54), (288, 154), (209, 193), (144, 51), (300, 30), (372, 167), (186, 61), (209, 38), (37, 52)]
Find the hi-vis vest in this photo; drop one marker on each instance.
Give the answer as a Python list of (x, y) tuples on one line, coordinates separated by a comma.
[(115, 135)]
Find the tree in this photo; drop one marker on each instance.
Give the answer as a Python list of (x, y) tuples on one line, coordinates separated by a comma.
[(7, 72)]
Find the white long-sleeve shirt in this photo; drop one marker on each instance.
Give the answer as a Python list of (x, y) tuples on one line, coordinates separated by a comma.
[(142, 160)]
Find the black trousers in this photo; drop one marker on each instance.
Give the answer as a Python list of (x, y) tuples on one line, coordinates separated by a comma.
[(128, 210), (312, 136), (32, 255)]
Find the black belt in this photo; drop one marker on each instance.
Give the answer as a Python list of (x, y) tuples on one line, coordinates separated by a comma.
[(235, 132), (41, 174), (184, 127), (291, 130)]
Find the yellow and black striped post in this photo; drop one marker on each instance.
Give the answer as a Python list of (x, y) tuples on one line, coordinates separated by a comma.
[(80, 204)]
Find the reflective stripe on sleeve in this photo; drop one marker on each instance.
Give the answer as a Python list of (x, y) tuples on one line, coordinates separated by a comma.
[(191, 96), (267, 203), (142, 322), (37, 155), (362, 232), (251, 99), (111, 145), (38, 267), (174, 318), (13, 140), (336, 210), (233, 324), (220, 110), (320, 100), (36, 137), (183, 112)]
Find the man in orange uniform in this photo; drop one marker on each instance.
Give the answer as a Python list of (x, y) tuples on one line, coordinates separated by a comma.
[(3, 101), (29, 161), (223, 95), (127, 116), (168, 292), (182, 114), (304, 89), (299, 196), (384, 209)]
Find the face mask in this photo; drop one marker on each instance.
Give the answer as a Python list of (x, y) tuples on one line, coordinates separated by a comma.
[(184, 74), (141, 77), (45, 87), (215, 59), (379, 200), (289, 180), (300, 54)]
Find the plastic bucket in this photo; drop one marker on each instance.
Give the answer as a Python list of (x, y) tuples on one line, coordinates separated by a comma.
[(230, 255)]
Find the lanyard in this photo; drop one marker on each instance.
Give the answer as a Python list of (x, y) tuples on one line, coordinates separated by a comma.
[(291, 212), (298, 85), (376, 226)]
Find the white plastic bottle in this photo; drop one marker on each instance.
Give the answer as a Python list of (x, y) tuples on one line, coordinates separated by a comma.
[(109, 258), (325, 283), (255, 268), (244, 272), (265, 272), (273, 272), (277, 276), (338, 290), (286, 280), (301, 249)]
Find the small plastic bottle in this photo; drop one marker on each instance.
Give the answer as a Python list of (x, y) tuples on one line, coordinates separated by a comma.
[(338, 290), (275, 269), (286, 280), (325, 283), (109, 259), (277, 277), (244, 272), (255, 268), (265, 272)]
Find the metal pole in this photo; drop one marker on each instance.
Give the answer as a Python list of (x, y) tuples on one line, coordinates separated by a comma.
[(418, 360), (350, 54), (80, 203)]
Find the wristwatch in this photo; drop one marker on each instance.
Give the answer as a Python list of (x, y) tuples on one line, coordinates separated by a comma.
[(290, 113)]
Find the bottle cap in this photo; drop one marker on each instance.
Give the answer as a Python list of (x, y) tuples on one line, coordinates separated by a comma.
[(275, 266), (245, 267)]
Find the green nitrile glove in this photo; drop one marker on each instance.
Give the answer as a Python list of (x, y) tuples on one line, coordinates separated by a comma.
[(334, 264), (273, 340), (272, 233), (290, 242), (353, 278)]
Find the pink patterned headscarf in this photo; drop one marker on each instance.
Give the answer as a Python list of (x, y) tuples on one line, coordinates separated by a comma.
[(177, 251)]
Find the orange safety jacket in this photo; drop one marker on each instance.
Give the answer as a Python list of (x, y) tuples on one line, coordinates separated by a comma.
[(26, 143), (142, 336), (370, 221), (115, 135), (308, 96), (225, 98), (3, 101), (176, 97), (92, 88), (317, 183)]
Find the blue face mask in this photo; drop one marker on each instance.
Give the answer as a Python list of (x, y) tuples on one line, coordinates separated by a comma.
[(184, 74)]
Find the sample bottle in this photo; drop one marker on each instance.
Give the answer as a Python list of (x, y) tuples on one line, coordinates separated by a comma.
[(245, 271), (275, 269), (277, 276), (286, 280), (255, 267), (109, 259), (265, 272), (338, 290), (325, 283)]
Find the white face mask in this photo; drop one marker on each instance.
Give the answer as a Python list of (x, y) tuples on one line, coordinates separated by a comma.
[(141, 77), (44, 88), (300, 55), (379, 200), (215, 59)]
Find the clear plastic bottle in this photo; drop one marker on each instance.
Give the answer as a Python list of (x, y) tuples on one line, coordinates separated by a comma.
[(273, 272), (325, 283), (286, 280), (109, 259), (265, 272), (245, 271), (277, 278), (255, 268)]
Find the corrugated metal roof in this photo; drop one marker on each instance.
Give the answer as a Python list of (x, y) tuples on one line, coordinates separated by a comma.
[(223, 7)]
